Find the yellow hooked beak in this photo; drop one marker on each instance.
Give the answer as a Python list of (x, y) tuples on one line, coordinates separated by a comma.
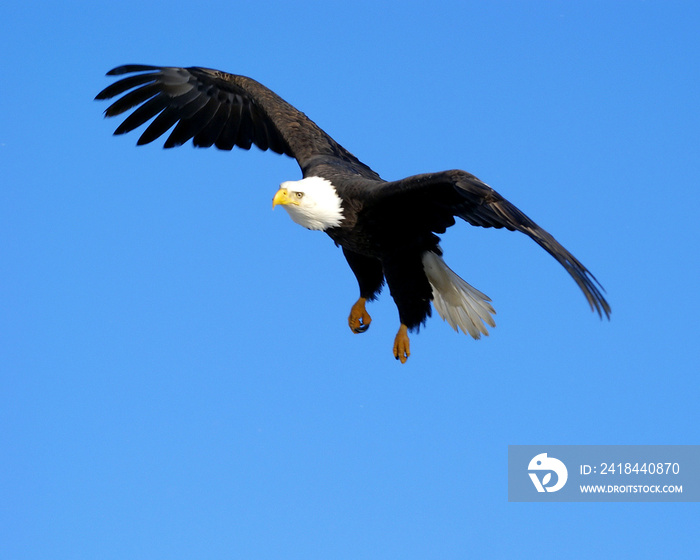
[(282, 197)]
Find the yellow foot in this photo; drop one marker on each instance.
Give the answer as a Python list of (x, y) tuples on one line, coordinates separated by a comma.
[(359, 319), (402, 346)]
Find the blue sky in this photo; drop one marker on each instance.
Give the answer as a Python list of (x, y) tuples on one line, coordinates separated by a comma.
[(177, 378)]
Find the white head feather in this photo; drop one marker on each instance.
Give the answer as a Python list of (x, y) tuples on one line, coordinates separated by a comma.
[(315, 203)]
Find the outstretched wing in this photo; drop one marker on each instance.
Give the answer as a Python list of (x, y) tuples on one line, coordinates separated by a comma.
[(214, 108), (442, 196)]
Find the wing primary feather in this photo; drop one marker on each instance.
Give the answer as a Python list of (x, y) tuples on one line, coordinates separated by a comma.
[(585, 280), (189, 124), (186, 127), (160, 125), (125, 84), (259, 131), (209, 134), (202, 118), (132, 99), (165, 120), (129, 68), (229, 134), (245, 128), (145, 112)]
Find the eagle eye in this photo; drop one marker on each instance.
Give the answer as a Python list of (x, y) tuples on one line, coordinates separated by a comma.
[(299, 195)]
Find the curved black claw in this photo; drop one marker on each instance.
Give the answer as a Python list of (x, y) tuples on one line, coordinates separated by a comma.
[(361, 328), (359, 319)]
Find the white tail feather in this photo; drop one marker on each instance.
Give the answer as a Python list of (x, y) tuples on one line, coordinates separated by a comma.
[(458, 303)]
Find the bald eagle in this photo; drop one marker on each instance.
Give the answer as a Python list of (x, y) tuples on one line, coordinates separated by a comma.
[(388, 230)]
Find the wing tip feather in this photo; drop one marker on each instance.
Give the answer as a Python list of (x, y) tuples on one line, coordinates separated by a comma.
[(130, 68)]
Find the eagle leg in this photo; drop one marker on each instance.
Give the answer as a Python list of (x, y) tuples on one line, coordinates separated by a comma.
[(359, 319), (402, 345)]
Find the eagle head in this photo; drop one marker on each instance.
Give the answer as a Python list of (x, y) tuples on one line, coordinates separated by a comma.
[(312, 202)]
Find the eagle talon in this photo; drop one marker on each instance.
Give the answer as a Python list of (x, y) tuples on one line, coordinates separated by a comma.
[(402, 345), (359, 319)]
